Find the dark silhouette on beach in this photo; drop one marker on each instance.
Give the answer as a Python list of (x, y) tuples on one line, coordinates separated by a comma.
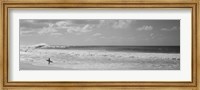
[(49, 61)]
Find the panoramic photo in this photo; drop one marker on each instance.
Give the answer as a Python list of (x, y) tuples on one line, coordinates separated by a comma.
[(99, 44)]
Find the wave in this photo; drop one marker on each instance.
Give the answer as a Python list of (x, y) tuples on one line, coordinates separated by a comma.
[(154, 49)]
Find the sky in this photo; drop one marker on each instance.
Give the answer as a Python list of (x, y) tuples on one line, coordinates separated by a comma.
[(83, 32)]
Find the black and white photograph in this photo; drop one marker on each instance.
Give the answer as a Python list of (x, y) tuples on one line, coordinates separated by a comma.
[(99, 44)]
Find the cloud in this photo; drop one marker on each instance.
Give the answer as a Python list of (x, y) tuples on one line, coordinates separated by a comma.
[(53, 27), (89, 39), (73, 27), (63, 24), (66, 26), (50, 30), (97, 34), (152, 35), (31, 23), (86, 28), (103, 23), (56, 34), (80, 28), (26, 20), (102, 37), (145, 28), (46, 30), (121, 24), (25, 31), (29, 20), (169, 29), (117, 24)]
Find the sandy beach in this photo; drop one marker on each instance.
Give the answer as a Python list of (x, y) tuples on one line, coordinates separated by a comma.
[(97, 60)]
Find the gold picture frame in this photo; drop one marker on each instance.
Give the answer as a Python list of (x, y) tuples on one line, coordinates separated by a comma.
[(6, 5)]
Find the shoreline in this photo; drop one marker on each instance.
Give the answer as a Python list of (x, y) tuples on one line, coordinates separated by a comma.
[(97, 60), (28, 66)]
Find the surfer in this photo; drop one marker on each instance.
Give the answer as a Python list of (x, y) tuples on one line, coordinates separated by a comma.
[(49, 61)]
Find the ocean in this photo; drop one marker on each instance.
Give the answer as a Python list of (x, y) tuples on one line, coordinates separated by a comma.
[(149, 49)]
